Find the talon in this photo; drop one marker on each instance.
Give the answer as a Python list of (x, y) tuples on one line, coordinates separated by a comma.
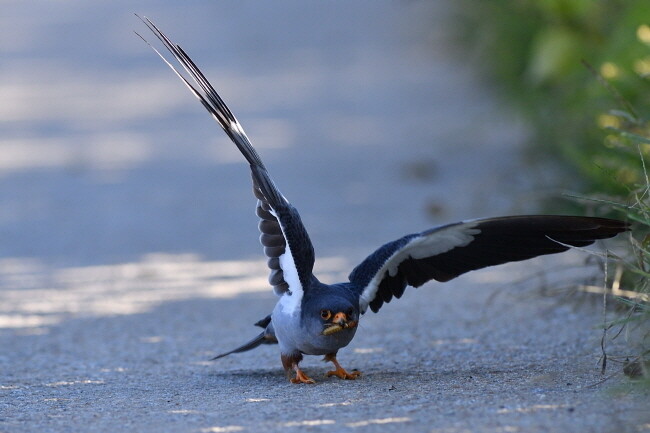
[(302, 378), (340, 372), (290, 362)]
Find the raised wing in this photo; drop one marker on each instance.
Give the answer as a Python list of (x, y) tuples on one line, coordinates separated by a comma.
[(285, 240), (445, 252)]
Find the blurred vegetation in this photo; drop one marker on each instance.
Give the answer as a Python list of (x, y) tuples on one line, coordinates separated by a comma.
[(630, 285), (533, 51), (579, 71)]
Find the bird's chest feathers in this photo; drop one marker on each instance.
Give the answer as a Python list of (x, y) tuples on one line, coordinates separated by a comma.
[(295, 335), (287, 324)]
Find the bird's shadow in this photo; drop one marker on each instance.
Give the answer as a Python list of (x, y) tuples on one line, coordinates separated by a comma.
[(263, 377), (275, 377)]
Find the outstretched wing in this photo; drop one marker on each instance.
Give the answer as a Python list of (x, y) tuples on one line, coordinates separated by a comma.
[(445, 252), (285, 240)]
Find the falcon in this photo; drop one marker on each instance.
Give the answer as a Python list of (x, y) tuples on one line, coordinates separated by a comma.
[(313, 318)]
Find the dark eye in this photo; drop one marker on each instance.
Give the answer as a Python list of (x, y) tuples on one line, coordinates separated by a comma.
[(325, 314), (350, 312)]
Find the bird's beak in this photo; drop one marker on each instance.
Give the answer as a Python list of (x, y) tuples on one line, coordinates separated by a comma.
[(339, 323), (340, 319)]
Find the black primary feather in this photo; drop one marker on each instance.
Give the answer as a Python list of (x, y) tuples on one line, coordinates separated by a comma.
[(280, 222), (496, 241)]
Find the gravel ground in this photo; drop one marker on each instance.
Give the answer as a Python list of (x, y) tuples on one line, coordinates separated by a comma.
[(129, 252)]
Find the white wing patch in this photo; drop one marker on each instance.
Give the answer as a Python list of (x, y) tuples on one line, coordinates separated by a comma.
[(432, 244), (290, 301)]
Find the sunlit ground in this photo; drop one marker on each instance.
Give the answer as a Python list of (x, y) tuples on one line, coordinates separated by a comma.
[(33, 296)]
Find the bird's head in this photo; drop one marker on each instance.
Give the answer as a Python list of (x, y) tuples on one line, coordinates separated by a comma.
[(334, 314)]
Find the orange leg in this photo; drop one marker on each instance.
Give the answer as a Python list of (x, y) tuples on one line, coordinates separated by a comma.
[(291, 363), (340, 372)]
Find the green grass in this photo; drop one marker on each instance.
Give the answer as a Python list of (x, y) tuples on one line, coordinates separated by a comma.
[(633, 137), (630, 287)]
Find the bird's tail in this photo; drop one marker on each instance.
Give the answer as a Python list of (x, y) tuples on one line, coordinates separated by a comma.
[(206, 94), (262, 338)]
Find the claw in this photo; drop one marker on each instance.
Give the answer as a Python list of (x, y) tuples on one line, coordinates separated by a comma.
[(340, 372), (290, 362), (302, 378)]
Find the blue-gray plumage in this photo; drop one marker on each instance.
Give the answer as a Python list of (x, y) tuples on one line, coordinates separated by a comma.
[(312, 318)]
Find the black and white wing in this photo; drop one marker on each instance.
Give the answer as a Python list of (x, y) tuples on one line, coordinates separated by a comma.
[(445, 252), (285, 240), (284, 237)]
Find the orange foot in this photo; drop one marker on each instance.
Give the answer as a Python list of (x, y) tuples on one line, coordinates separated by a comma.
[(302, 378), (340, 372)]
